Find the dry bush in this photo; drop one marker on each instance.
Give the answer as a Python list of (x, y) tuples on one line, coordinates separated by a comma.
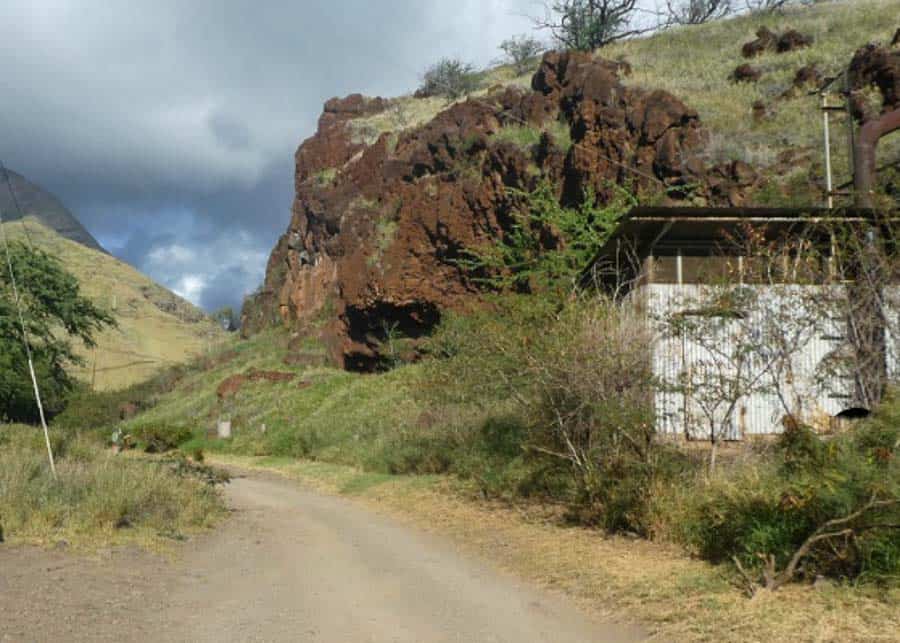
[(580, 381)]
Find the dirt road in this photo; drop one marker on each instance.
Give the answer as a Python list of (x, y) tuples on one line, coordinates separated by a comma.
[(290, 565)]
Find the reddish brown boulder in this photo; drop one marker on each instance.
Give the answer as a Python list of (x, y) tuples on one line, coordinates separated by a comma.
[(759, 111), (792, 40), (765, 41), (378, 250), (768, 41), (808, 76), (878, 66), (746, 74)]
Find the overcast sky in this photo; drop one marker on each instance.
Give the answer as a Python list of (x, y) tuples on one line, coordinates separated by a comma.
[(169, 126)]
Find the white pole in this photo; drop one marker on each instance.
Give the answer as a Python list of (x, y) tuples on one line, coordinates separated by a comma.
[(679, 269), (18, 301), (829, 199), (37, 396)]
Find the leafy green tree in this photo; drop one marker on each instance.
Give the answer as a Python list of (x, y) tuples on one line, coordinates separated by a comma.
[(54, 313), (520, 52), (548, 245)]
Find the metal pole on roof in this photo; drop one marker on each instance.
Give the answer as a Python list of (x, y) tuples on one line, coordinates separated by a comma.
[(851, 135), (829, 198)]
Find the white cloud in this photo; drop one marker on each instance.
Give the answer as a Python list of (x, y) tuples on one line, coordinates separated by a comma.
[(190, 287), (174, 254)]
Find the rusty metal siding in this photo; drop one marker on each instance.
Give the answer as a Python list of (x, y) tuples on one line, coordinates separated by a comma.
[(757, 413)]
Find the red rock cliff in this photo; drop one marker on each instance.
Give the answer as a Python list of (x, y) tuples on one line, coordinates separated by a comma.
[(377, 230)]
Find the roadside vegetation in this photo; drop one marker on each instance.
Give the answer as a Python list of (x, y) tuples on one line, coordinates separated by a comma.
[(98, 499), (90, 498), (539, 403)]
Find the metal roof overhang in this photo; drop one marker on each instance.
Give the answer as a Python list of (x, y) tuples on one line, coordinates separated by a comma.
[(650, 227), (698, 230)]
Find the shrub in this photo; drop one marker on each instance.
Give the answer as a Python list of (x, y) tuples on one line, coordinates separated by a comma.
[(586, 25), (449, 77), (547, 245), (520, 52), (565, 394), (88, 410), (161, 437), (814, 507)]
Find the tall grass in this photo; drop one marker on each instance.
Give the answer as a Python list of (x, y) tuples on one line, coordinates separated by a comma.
[(98, 498)]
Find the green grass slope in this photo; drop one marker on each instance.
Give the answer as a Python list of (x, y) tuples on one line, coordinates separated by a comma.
[(156, 327), (322, 413)]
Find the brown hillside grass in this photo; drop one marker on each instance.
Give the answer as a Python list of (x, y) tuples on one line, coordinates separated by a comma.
[(156, 327)]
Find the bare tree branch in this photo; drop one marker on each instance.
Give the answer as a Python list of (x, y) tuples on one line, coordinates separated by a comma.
[(586, 25)]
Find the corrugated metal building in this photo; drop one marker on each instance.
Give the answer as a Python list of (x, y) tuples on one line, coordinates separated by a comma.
[(661, 260)]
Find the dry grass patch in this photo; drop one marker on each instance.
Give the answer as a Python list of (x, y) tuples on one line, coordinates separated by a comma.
[(98, 499), (672, 595)]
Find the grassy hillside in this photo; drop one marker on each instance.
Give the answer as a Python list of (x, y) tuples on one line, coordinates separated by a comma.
[(156, 327), (323, 412), (695, 64)]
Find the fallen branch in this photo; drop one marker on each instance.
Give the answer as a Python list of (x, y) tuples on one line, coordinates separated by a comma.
[(834, 528)]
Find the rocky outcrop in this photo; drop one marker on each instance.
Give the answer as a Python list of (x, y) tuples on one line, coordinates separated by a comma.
[(378, 234), (767, 41)]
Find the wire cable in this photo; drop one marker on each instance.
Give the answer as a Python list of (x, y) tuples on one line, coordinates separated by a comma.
[(18, 301)]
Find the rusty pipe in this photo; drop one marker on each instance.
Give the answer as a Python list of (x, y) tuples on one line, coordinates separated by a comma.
[(864, 155)]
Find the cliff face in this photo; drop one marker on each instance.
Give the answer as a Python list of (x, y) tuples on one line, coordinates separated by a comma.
[(377, 230)]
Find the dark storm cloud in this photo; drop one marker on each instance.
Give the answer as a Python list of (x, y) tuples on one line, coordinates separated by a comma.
[(169, 127)]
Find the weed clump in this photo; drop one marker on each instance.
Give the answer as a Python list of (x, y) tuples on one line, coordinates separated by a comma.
[(450, 78)]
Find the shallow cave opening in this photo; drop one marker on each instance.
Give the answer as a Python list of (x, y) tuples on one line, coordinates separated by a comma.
[(386, 330)]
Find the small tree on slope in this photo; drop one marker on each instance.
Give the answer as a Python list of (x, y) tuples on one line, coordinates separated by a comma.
[(54, 312)]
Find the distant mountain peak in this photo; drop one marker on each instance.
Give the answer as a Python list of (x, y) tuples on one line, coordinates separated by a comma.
[(37, 202)]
